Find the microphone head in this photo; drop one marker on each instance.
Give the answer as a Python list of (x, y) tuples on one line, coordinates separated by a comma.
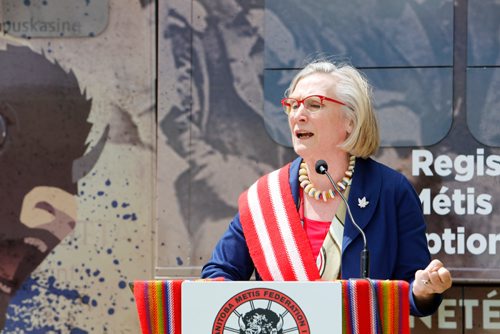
[(321, 167)]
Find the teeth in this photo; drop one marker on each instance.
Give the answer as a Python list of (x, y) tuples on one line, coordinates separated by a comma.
[(4, 288), (39, 244)]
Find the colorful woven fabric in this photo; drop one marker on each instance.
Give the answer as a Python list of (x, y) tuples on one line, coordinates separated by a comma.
[(159, 306), (369, 306), (375, 307)]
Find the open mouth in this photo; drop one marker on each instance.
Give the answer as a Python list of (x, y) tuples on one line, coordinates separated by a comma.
[(19, 257), (37, 243), (5, 288), (303, 134)]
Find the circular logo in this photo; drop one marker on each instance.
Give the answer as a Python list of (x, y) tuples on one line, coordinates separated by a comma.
[(262, 311)]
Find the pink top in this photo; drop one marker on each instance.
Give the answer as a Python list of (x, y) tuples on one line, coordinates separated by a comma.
[(316, 230)]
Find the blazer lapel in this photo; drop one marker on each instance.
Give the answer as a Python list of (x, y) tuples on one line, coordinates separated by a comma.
[(366, 183)]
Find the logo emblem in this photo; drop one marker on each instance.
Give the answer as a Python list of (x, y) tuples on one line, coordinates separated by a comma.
[(260, 311)]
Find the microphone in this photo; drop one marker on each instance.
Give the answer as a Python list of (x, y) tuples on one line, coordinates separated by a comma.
[(322, 168)]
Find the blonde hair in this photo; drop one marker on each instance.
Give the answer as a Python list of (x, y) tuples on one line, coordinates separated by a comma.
[(353, 89)]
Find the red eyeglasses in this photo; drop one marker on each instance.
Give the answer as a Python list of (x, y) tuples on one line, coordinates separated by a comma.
[(312, 103)]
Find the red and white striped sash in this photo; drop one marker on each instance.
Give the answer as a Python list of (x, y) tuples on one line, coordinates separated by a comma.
[(276, 240)]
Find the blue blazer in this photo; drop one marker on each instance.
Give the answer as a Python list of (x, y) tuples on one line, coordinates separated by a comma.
[(392, 221)]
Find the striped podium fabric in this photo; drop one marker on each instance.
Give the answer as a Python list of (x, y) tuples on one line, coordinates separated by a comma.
[(369, 306), (159, 306), (372, 306)]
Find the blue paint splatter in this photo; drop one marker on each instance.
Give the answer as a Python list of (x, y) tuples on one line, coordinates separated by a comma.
[(44, 294), (35, 294), (71, 294), (179, 261), (27, 2), (38, 330), (130, 216)]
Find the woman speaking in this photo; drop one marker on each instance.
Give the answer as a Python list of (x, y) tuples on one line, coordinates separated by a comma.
[(293, 224)]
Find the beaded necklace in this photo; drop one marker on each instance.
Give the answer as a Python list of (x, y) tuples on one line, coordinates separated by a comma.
[(310, 190)]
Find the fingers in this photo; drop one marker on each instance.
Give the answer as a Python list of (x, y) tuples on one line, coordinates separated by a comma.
[(440, 277), (422, 280), (444, 274), (434, 265), (435, 278)]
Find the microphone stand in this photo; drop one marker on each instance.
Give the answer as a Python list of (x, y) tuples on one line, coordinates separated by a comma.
[(322, 168)]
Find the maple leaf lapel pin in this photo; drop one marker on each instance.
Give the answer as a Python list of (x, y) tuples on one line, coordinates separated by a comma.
[(362, 202)]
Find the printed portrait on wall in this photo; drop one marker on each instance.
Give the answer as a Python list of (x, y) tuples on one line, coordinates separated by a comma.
[(215, 122), (224, 118), (43, 132), (231, 64)]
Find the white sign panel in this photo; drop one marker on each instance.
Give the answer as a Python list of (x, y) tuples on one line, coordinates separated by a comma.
[(261, 307)]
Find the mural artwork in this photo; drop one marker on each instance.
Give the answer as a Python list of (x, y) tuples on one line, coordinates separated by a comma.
[(43, 117), (434, 68)]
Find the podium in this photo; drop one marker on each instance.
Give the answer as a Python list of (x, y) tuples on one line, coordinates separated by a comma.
[(361, 306)]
